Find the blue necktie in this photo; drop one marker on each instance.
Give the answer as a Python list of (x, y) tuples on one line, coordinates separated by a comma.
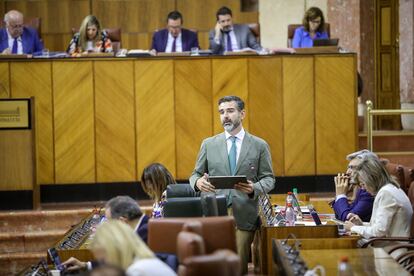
[(233, 155), (229, 47), (173, 45), (14, 48)]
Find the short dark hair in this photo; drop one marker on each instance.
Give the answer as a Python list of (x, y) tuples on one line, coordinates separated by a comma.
[(223, 11), (174, 15), (124, 206), (239, 102)]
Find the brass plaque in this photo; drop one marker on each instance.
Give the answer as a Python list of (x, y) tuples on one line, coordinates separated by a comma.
[(15, 113)]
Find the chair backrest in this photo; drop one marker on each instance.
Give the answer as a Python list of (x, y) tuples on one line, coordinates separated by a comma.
[(190, 243), (397, 171), (114, 34), (162, 233), (183, 207), (293, 27), (222, 262), (255, 29), (181, 190)]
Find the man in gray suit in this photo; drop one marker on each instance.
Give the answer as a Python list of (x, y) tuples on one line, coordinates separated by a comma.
[(229, 37), (236, 152)]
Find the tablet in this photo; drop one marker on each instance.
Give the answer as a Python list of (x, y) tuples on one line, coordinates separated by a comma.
[(226, 182)]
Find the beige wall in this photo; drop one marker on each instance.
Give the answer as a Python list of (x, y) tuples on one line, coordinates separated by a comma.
[(276, 15)]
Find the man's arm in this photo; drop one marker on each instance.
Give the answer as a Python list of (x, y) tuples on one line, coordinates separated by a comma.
[(215, 45), (200, 167), (251, 40), (265, 171)]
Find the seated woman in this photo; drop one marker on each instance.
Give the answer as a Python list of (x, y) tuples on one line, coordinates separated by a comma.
[(313, 28), (154, 181), (392, 211), (90, 38), (350, 198), (115, 243)]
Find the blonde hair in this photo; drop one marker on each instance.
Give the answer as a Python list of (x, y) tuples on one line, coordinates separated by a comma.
[(89, 20), (120, 243)]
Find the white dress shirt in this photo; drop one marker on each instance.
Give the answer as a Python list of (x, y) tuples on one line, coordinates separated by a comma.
[(239, 140), (19, 43), (178, 43)]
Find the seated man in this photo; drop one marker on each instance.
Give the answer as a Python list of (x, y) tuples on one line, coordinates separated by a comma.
[(17, 39), (123, 208), (230, 37), (174, 38), (361, 201)]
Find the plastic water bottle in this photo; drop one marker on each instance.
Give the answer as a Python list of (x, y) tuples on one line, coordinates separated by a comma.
[(290, 215), (344, 268), (296, 206), (289, 199)]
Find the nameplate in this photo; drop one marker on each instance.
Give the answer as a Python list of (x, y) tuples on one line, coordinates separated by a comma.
[(15, 114)]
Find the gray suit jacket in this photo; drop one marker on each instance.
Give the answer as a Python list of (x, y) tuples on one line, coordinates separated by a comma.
[(244, 37), (254, 161)]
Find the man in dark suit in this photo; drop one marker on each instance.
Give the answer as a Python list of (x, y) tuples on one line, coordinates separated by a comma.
[(174, 38), (236, 152), (229, 37), (17, 39)]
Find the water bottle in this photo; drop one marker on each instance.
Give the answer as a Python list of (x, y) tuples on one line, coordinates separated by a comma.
[(289, 199), (296, 206), (344, 268), (290, 215)]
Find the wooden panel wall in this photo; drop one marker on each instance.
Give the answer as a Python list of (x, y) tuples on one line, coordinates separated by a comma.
[(137, 18), (114, 121), (335, 109), (155, 120), (194, 111), (298, 107), (74, 122), (104, 120), (37, 82), (4, 80)]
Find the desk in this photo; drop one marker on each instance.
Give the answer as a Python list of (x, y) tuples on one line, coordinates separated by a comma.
[(103, 120), (364, 261)]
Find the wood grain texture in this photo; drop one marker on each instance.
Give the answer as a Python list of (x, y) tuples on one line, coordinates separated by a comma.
[(16, 166), (133, 15), (4, 80), (299, 116), (335, 112), (115, 121), (154, 88), (37, 82), (193, 111), (266, 106), (201, 15), (137, 40), (57, 16), (74, 122), (229, 78)]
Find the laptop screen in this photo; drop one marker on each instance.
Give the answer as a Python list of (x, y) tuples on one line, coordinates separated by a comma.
[(326, 42)]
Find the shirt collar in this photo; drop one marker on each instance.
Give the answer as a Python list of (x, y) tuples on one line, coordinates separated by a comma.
[(171, 37), (10, 37), (239, 135)]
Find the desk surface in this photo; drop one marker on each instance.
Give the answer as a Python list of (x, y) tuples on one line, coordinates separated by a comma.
[(364, 261)]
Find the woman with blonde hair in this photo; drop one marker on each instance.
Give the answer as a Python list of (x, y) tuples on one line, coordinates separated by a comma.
[(154, 180), (392, 210), (115, 243), (90, 38)]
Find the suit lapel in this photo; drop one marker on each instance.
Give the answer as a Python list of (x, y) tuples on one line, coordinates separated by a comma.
[(164, 40), (222, 149), (237, 34), (184, 41), (243, 151)]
